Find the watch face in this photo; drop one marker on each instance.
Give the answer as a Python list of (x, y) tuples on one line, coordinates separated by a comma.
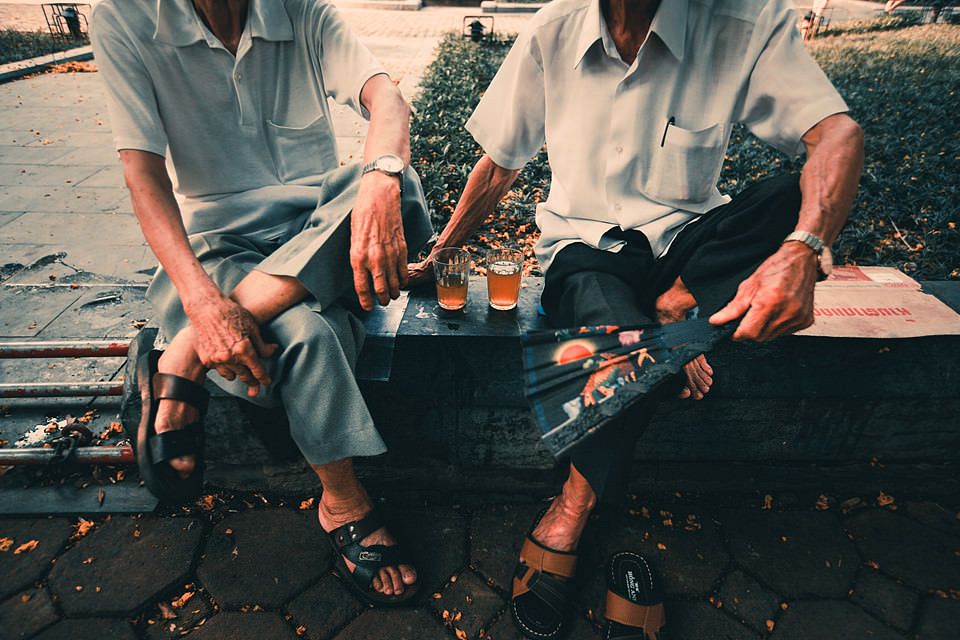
[(390, 164)]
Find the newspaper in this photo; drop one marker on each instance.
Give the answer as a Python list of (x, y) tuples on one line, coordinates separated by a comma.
[(878, 302)]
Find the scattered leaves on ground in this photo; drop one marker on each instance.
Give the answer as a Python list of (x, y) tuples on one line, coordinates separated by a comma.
[(26, 547)]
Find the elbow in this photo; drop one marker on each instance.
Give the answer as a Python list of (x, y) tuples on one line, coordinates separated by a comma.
[(853, 134)]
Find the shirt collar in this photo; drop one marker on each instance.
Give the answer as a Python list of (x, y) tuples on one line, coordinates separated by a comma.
[(669, 23), (179, 25)]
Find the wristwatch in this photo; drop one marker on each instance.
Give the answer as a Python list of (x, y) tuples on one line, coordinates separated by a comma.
[(824, 255), (389, 164)]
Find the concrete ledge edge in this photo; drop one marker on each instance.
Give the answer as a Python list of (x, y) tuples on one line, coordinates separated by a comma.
[(386, 5), (16, 74), (494, 6)]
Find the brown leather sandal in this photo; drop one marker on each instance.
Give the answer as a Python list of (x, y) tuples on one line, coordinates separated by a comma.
[(541, 589), (634, 608)]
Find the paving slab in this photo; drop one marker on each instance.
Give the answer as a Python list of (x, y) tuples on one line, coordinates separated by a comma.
[(102, 312), (64, 229), (20, 155), (25, 614), (245, 626), (505, 629), (688, 562), (8, 216), (134, 560), (89, 629), (189, 615), (496, 535), (824, 620), (39, 175), (939, 620), (797, 553), (933, 515), (325, 608), (60, 198), (111, 176), (395, 624), (437, 540), (885, 598), (24, 314), (468, 605), (263, 557), (702, 620), (748, 600), (922, 557), (20, 570)]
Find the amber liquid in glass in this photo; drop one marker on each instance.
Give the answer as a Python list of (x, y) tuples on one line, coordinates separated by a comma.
[(503, 284), (452, 293)]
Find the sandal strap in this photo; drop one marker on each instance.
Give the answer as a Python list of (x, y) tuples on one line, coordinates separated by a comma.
[(554, 591), (542, 559), (368, 560), (167, 386), (353, 532), (174, 444), (649, 617)]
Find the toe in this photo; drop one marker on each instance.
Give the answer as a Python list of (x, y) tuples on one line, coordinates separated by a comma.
[(387, 583), (408, 574), (395, 580), (183, 466), (377, 584)]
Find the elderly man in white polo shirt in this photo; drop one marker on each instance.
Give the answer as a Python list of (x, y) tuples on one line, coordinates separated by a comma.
[(635, 100), (264, 240)]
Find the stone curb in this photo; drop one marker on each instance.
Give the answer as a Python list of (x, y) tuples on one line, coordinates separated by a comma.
[(17, 70), (494, 6), (384, 5)]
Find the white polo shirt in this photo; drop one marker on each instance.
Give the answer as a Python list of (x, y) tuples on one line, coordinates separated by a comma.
[(641, 146), (246, 132)]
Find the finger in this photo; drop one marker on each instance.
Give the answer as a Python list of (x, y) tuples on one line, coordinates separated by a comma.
[(361, 284), (753, 324), (402, 271), (243, 374), (226, 372), (264, 349), (248, 357), (393, 279), (381, 287), (736, 307)]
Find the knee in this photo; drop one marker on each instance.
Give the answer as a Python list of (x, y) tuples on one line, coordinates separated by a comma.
[(300, 326), (783, 198)]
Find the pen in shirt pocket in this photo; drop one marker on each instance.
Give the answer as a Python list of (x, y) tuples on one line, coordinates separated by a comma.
[(670, 121)]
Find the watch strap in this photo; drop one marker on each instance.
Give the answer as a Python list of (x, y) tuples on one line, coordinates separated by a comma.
[(815, 243)]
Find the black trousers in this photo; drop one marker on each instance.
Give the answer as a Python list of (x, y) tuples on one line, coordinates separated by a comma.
[(586, 286)]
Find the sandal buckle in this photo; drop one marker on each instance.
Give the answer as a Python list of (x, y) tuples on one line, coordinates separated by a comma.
[(369, 556)]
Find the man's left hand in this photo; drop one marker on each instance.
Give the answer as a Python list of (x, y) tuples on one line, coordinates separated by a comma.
[(777, 299), (378, 250)]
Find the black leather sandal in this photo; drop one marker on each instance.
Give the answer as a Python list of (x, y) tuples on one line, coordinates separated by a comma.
[(155, 450), (540, 602), (345, 541), (634, 608)]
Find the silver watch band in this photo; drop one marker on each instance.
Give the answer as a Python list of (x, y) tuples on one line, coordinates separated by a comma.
[(807, 238)]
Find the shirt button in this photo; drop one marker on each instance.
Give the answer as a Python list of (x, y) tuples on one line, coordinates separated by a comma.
[(619, 149), (237, 76), (617, 207)]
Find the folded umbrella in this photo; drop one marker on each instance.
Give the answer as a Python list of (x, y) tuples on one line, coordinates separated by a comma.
[(579, 379)]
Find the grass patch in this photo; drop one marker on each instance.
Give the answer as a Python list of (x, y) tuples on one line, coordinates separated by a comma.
[(901, 85), (22, 45)]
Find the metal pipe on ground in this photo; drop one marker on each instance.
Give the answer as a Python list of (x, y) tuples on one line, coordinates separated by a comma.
[(60, 389), (63, 348), (80, 455)]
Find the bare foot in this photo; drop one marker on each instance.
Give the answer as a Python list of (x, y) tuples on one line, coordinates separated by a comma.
[(390, 580), (672, 306), (179, 359)]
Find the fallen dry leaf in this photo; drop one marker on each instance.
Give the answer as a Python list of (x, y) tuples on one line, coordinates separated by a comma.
[(82, 528), (884, 500), (89, 560), (166, 612), (767, 502), (26, 547), (301, 630), (307, 504), (182, 600), (661, 546), (100, 496), (873, 564), (25, 598), (5, 544), (206, 502), (770, 624), (461, 634), (823, 503)]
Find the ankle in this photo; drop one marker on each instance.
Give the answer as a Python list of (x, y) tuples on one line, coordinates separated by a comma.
[(345, 503)]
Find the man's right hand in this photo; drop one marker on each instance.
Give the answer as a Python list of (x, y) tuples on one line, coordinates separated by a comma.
[(227, 338)]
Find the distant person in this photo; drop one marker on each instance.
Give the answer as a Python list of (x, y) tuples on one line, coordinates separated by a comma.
[(265, 242), (636, 101)]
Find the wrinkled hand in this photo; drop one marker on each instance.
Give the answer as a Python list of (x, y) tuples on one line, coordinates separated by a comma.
[(227, 338), (777, 299), (378, 250), (420, 273)]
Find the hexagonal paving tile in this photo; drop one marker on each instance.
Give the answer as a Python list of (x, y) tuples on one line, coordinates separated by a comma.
[(505, 629), (26, 613), (263, 556), (920, 556), (436, 537), (891, 602), (496, 536), (124, 563), (688, 562), (190, 614), (748, 600), (471, 598), (245, 626), (933, 515), (826, 619), (701, 620), (798, 553), (939, 619), (20, 570), (89, 629), (325, 608), (395, 624)]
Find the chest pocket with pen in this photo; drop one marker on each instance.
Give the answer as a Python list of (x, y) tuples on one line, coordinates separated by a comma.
[(302, 151), (684, 165)]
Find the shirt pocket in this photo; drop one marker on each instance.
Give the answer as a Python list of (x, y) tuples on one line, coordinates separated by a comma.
[(685, 169), (299, 152)]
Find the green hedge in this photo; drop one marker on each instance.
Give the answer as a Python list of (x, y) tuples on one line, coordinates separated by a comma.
[(901, 85), (22, 45)]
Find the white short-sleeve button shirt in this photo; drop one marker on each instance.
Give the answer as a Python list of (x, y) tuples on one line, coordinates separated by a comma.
[(641, 146), (248, 128)]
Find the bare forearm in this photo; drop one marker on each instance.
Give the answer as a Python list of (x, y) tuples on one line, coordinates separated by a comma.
[(830, 176), (389, 131), (487, 184), (159, 217)]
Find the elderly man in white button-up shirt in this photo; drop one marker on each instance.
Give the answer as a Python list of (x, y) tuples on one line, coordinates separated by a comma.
[(635, 101), (262, 236)]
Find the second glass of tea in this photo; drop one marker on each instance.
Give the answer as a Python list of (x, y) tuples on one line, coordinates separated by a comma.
[(504, 269), (451, 267)]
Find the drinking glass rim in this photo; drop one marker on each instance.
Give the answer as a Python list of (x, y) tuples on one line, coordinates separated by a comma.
[(438, 258), (512, 250)]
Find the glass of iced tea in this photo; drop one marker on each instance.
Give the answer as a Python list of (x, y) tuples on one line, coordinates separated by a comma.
[(504, 269), (451, 267)]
